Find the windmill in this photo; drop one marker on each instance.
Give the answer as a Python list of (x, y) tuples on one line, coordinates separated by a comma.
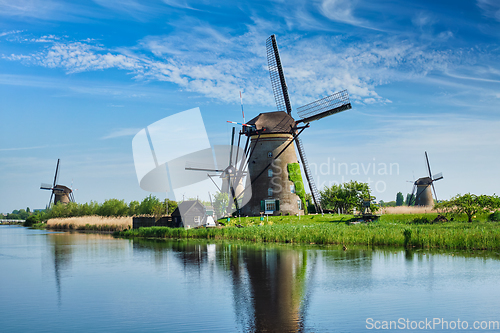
[(61, 193), (272, 138), (421, 194), (232, 175)]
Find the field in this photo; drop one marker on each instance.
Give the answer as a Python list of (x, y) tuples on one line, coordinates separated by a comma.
[(96, 223), (409, 230)]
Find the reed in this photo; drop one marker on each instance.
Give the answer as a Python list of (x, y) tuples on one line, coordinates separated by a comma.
[(407, 210), (95, 223), (448, 235)]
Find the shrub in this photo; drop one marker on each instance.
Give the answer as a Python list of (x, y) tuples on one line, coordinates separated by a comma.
[(495, 216)]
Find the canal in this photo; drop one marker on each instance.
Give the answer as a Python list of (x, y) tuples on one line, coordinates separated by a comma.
[(61, 281)]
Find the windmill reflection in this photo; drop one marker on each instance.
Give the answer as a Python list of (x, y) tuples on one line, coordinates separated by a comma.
[(62, 253), (268, 282)]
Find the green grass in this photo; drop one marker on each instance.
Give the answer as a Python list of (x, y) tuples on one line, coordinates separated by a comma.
[(389, 230)]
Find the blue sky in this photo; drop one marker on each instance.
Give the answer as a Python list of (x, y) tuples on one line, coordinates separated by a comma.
[(79, 79)]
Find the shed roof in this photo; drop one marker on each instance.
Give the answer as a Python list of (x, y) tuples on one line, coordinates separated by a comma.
[(184, 207)]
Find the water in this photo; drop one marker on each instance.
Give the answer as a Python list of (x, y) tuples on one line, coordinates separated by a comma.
[(52, 282)]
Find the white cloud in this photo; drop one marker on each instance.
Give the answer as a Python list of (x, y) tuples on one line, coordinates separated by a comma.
[(339, 10), (6, 33), (121, 132), (22, 148), (218, 65), (490, 8)]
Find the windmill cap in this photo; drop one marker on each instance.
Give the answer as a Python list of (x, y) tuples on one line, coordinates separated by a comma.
[(424, 181), (273, 122)]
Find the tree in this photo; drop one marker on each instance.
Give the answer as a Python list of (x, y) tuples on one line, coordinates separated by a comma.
[(220, 203), (399, 199), (407, 201), (346, 197), (166, 207), (468, 204), (146, 206), (133, 208)]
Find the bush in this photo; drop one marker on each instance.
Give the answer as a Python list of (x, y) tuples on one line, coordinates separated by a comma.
[(495, 216), (32, 220), (113, 207)]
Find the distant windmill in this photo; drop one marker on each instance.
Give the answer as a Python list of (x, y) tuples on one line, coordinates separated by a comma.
[(232, 175), (421, 194), (61, 193), (271, 150)]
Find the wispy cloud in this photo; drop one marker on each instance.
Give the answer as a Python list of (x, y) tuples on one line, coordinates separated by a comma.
[(217, 63), (23, 148), (121, 132), (6, 33), (490, 8), (46, 10)]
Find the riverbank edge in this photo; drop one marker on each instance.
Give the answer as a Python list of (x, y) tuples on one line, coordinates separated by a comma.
[(452, 235)]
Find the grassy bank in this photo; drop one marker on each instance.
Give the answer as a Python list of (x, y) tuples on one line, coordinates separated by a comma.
[(390, 230)]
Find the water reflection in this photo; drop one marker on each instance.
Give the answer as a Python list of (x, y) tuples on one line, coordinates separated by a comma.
[(63, 246), (61, 251)]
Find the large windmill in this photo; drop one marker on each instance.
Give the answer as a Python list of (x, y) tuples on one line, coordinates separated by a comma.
[(272, 137), (60, 193), (421, 194)]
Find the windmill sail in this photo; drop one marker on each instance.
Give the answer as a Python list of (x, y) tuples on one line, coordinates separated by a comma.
[(283, 104), (45, 186), (277, 77), (310, 180), (437, 176), (324, 107)]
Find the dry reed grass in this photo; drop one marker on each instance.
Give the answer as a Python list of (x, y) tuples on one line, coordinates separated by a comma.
[(407, 210), (99, 223)]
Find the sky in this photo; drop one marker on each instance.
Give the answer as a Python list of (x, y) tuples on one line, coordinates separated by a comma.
[(78, 79)]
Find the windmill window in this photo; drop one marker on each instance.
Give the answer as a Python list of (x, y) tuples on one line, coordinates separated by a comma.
[(269, 154), (270, 206), (270, 192), (299, 204), (292, 188), (270, 172)]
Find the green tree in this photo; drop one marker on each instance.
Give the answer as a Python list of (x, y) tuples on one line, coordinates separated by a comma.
[(133, 208), (399, 199), (221, 201), (407, 201), (346, 197), (146, 206), (468, 204), (113, 207)]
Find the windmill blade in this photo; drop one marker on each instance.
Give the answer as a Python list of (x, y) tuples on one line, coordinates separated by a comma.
[(45, 186), (231, 149), (277, 77), (437, 176), (428, 165), (412, 199), (57, 171), (202, 169), (237, 149), (434, 189), (324, 107), (50, 200)]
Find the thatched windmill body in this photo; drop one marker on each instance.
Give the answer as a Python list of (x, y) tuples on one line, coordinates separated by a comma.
[(60, 193), (421, 194), (273, 137)]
